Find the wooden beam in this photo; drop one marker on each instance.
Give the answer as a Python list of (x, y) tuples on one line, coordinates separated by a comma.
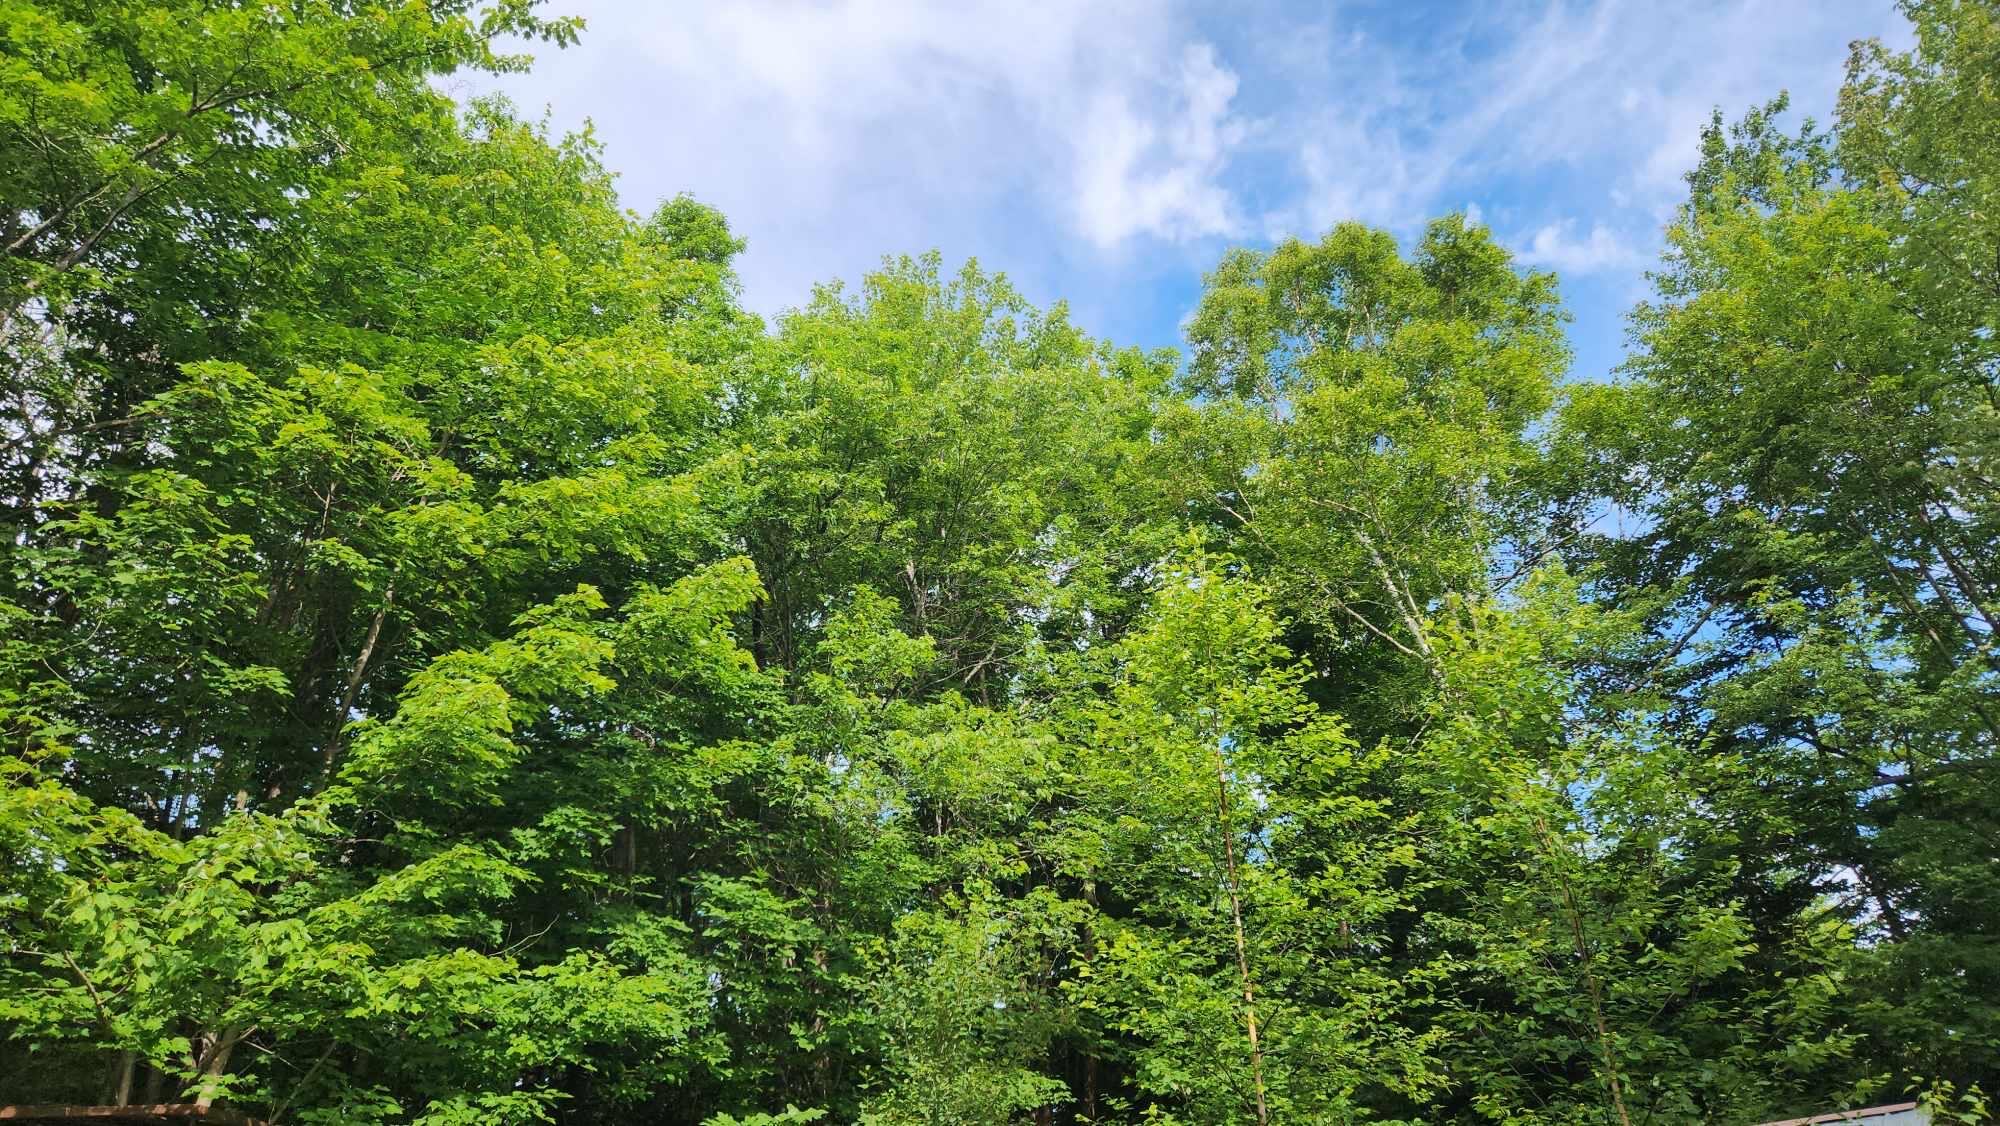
[(149, 1115)]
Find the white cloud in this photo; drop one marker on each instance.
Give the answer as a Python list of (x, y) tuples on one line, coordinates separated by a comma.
[(1558, 247), (1072, 141), (1160, 174), (1070, 89), (834, 132), (1138, 174)]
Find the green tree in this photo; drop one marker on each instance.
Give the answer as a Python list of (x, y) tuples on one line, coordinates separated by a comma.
[(457, 666), (1359, 421), (1806, 429)]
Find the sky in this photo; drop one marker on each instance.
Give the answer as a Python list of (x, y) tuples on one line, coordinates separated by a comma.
[(1108, 152)]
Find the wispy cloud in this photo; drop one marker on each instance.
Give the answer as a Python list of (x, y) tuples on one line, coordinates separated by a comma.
[(1156, 169), (1568, 106), (834, 132), (1130, 126), (1559, 247), (1098, 143)]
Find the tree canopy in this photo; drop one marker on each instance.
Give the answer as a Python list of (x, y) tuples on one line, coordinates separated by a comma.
[(458, 665)]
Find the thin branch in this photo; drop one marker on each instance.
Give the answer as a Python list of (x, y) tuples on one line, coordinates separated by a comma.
[(103, 1014)]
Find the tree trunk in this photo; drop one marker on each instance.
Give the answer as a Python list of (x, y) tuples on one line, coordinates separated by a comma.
[(1242, 946), (214, 1063), (1585, 960), (354, 680)]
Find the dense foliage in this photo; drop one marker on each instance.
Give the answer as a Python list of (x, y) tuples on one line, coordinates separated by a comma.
[(457, 666)]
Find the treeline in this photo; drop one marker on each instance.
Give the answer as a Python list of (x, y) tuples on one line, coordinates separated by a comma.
[(457, 666)]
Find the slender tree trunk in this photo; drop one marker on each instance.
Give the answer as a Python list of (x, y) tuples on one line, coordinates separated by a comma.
[(1968, 585), (304, 1084), (122, 1070), (1242, 946), (214, 1063), (354, 679), (189, 787), (1406, 606), (1903, 594), (1586, 962), (1892, 917)]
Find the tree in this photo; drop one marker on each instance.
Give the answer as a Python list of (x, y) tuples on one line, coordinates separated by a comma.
[(458, 666), (1359, 420), (1805, 429)]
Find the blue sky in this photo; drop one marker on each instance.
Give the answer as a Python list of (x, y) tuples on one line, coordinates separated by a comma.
[(1108, 152)]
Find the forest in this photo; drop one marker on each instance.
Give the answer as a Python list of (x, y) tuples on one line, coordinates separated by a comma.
[(459, 666)]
